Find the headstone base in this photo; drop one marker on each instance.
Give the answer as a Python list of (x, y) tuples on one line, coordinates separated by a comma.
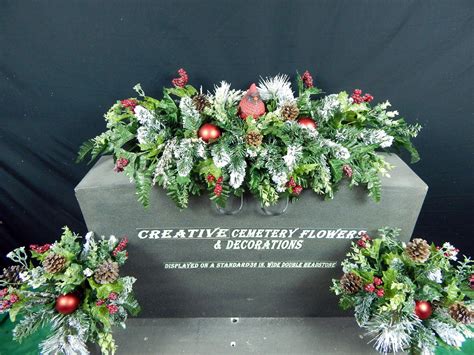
[(242, 336)]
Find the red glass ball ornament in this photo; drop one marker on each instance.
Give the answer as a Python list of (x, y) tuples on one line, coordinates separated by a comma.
[(423, 309), (307, 122), (67, 303), (209, 132)]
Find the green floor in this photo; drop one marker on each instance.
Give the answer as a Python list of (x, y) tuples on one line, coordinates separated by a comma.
[(30, 347)]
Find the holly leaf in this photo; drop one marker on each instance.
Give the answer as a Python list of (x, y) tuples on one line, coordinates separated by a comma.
[(15, 310), (207, 167), (452, 292), (103, 291), (101, 313), (429, 293), (375, 249), (336, 169), (367, 276), (389, 277)]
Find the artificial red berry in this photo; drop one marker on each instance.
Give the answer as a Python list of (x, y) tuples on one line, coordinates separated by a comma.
[(380, 292), (120, 164), (218, 190), (182, 80), (297, 190), (13, 298), (377, 281), (347, 170), (211, 178), (369, 288), (129, 103), (291, 182), (112, 308), (307, 79)]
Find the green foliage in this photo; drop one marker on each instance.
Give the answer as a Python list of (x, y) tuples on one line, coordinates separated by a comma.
[(393, 282), (101, 306), (159, 139)]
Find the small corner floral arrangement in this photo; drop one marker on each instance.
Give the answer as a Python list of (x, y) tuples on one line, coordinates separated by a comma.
[(73, 288), (408, 297), (265, 140)]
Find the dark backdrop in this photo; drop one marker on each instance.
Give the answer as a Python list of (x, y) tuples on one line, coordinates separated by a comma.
[(63, 63)]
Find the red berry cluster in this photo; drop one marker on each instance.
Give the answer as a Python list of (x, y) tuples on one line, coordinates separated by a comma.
[(7, 300), (358, 98), (182, 80), (120, 164), (293, 187), (375, 286), (347, 170), (110, 306), (129, 103), (307, 79), (100, 302), (120, 247), (40, 249), (471, 281), (211, 178), (362, 242), (218, 186)]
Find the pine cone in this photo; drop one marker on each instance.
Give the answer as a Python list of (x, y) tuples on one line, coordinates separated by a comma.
[(290, 111), (107, 272), (200, 101), (254, 139), (11, 274), (418, 250), (54, 263), (351, 283), (460, 313)]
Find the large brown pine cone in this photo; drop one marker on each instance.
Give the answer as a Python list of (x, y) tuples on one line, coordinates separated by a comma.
[(200, 101), (54, 263), (418, 250), (290, 111), (254, 139), (106, 273), (11, 274), (460, 313), (351, 283)]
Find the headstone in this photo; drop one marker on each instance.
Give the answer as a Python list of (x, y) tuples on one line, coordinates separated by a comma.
[(200, 263), (335, 336)]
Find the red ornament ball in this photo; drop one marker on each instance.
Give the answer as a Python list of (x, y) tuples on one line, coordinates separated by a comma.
[(423, 309), (209, 132), (67, 303), (307, 122)]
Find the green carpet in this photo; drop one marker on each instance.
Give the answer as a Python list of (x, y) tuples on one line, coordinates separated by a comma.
[(30, 346)]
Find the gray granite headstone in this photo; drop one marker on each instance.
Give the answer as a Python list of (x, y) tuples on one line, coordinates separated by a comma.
[(200, 263)]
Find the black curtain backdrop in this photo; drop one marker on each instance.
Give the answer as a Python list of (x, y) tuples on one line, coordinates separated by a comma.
[(63, 63)]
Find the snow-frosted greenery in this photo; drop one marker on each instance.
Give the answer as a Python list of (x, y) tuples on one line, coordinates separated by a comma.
[(391, 283), (159, 138)]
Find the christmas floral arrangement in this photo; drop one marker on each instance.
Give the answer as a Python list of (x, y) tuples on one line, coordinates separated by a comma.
[(73, 288), (266, 140), (408, 297)]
